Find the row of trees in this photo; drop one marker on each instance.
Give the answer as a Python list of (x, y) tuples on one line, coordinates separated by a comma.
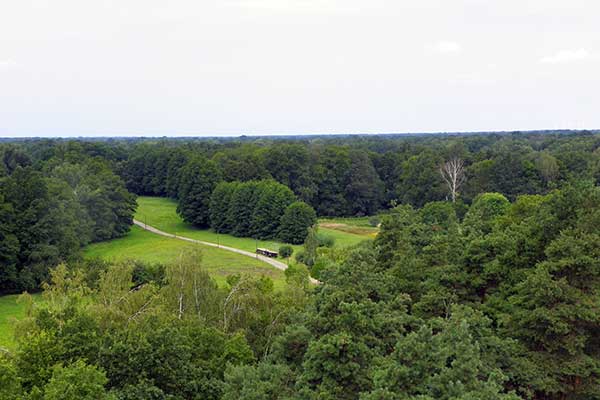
[(49, 210), (357, 176), (260, 209)]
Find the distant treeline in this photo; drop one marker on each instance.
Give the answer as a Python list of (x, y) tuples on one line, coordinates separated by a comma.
[(342, 176)]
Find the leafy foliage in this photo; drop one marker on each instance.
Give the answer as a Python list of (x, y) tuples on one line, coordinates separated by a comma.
[(197, 182), (296, 220)]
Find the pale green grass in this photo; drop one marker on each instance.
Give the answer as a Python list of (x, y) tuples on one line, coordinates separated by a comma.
[(10, 312), (149, 247), (344, 239), (161, 213), (353, 221), (348, 231)]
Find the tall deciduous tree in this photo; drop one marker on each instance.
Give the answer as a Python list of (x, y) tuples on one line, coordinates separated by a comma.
[(420, 181), (76, 382), (453, 173), (220, 205), (272, 202), (364, 190), (198, 180), (296, 221), (243, 203)]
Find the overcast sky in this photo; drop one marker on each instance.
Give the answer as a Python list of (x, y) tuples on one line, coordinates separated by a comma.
[(231, 67)]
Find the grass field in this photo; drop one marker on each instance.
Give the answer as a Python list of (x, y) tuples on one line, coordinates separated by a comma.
[(161, 213), (142, 245), (352, 221), (348, 231), (11, 310)]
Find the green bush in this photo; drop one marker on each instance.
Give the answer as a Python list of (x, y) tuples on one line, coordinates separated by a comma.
[(286, 251), (325, 240), (301, 256)]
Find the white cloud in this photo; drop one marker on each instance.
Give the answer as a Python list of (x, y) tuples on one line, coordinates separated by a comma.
[(7, 63), (566, 56), (448, 47)]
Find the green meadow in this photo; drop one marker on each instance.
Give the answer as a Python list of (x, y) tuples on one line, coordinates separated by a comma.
[(161, 213), (145, 246), (11, 310)]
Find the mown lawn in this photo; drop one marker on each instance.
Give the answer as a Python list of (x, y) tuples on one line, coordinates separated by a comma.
[(161, 213), (145, 246), (352, 221), (10, 311), (344, 239), (348, 231)]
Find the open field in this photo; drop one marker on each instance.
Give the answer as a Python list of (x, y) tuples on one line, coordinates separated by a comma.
[(161, 213), (342, 238), (352, 221), (146, 246), (11, 310), (348, 231)]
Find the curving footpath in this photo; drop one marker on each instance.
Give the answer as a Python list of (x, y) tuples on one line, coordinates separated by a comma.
[(270, 261)]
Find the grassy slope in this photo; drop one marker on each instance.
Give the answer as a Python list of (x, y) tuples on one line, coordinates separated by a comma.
[(161, 213), (146, 246), (9, 311)]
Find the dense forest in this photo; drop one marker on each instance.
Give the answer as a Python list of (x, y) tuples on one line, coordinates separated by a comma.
[(52, 203), (483, 282), (361, 175)]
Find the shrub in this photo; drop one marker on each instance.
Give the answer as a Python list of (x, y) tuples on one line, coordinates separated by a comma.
[(320, 264), (301, 257), (286, 251), (325, 240)]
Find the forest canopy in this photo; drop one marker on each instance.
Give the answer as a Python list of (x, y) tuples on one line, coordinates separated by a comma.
[(483, 281)]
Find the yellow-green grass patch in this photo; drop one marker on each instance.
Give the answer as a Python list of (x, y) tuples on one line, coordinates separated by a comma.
[(11, 310), (161, 213), (149, 247)]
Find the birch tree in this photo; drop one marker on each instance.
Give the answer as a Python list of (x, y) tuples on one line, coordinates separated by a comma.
[(453, 173)]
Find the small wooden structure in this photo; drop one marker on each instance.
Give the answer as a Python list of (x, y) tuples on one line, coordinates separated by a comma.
[(267, 252)]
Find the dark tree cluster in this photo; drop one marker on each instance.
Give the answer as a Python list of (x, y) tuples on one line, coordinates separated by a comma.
[(261, 209), (50, 208)]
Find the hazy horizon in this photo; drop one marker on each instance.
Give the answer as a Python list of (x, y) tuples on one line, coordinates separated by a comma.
[(191, 136), (297, 67)]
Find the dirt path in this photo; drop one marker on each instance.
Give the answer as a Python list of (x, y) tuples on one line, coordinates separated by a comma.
[(268, 260)]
